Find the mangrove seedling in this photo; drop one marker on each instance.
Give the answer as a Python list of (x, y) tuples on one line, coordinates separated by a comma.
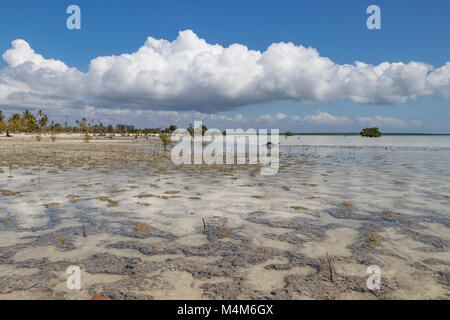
[(204, 225), (165, 140)]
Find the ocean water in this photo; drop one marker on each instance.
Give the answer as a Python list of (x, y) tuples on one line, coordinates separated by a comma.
[(358, 141)]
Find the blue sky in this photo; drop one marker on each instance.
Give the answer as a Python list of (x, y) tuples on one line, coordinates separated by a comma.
[(411, 31)]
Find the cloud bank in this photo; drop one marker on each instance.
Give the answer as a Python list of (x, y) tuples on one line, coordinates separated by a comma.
[(191, 74)]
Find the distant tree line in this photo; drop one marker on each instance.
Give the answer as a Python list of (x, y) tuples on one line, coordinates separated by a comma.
[(28, 122)]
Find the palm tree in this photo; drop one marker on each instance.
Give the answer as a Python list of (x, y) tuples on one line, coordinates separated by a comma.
[(82, 124), (29, 121), (27, 114), (2, 124), (43, 119), (15, 123)]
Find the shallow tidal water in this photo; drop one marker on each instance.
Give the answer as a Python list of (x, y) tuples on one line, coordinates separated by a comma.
[(144, 231)]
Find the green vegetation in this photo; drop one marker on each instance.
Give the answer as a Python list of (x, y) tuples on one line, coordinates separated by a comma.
[(371, 132), (171, 128), (288, 134), (87, 138), (43, 119), (165, 140), (40, 123), (191, 129), (2, 123), (25, 122)]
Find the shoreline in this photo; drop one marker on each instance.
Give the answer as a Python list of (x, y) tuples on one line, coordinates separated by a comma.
[(425, 141)]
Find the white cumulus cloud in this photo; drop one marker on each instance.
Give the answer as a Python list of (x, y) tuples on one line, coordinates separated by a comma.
[(190, 74)]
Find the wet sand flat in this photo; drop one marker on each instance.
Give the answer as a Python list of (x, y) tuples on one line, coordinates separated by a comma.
[(140, 227)]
